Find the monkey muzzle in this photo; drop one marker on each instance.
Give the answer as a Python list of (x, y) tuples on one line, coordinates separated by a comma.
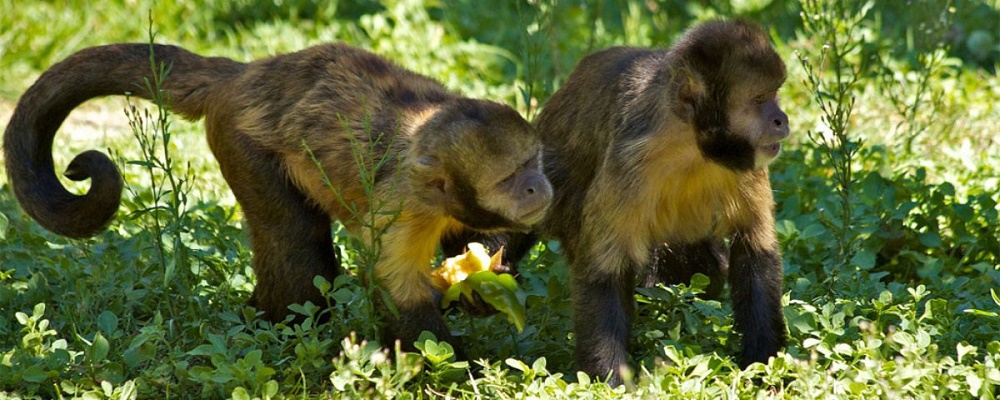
[(536, 201)]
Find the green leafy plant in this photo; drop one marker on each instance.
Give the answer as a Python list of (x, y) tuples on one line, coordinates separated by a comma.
[(168, 188), (365, 370), (375, 217), (39, 357), (833, 80)]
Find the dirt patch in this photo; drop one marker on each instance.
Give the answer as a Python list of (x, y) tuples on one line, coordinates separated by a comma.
[(93, 125), (90, 121)]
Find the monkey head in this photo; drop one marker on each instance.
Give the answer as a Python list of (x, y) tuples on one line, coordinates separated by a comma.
[(482, 167), (730, 87)]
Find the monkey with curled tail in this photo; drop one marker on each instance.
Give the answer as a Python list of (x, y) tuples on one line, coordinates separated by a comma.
[(284, 131)]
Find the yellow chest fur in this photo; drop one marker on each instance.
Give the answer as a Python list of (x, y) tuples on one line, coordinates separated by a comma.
[(689, 197)]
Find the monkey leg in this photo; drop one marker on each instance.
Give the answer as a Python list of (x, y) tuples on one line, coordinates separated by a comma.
[(755, 277), (603, 304), (290, 238), (676, 263)]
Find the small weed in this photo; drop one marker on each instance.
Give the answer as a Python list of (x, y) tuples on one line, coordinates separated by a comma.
[(168, 188)]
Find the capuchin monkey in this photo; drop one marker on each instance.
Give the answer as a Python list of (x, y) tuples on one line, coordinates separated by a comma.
[(657, 159), (453, 163), (645, 147)]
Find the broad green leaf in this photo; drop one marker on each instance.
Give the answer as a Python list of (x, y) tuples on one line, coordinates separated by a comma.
[(322, 284), (539, 364), (974, 383), (22, 318), (812, 231), (516, 364), (964, 349), (700, 281), (108, 322), (98, 350), (964, 211), (270, 389), (500, 291), (437, 352), (930, 239), (240, 394), (785, 228), (343, 296), (864, 259), (34, 374), (799, 320), (142, 352)]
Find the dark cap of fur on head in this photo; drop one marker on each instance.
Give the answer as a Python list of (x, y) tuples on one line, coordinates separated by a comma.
[(727, 51)]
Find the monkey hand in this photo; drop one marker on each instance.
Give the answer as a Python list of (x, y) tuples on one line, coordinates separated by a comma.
[(474, 306)]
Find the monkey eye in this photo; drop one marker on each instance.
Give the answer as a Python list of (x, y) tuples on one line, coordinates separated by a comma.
[(765, 97), (506, 180)]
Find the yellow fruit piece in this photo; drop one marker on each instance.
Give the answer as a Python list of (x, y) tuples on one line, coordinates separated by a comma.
[(458, 268)]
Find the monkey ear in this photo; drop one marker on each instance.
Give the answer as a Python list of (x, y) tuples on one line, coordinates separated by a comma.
[(690, 90), (431, 179), (439, 186), (439, 192)]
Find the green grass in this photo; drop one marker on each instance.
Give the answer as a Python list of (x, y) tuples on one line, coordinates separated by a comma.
[(902, 304)]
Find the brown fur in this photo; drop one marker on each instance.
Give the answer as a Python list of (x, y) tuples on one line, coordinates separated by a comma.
[(454, 163), (645, 147)]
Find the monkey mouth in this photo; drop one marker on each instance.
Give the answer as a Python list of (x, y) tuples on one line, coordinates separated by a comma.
[(533, 216), (771, 150)]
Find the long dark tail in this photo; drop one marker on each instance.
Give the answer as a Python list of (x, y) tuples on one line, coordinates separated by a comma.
[(94, 72)]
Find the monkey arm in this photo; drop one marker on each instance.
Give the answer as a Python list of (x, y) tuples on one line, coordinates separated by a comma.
[(403, 271), (612, 245), (602, 289), (756, 276), (756, 293), (403, 268)]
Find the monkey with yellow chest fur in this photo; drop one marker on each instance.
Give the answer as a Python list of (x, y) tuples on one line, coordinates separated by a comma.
[(657, 159), (455, 164), (647, 146)]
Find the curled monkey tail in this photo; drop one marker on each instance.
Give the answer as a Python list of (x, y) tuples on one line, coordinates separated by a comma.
[(94, 72)]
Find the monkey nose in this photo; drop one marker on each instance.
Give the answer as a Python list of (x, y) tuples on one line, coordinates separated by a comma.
[(780, 126), (537, 197), (541, 189)]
